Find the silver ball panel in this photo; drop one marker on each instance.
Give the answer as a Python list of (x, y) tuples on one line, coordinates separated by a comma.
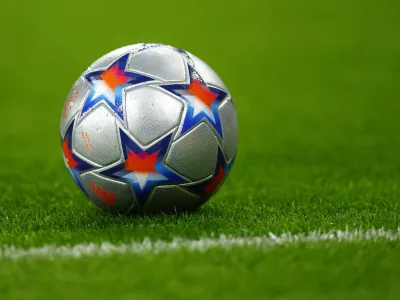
[(96, 137), (194, 155), (109, 194), (151, 113), (171, 198), (106, 60), (229, 122), (161, 62), (208, 74), (73, 103)]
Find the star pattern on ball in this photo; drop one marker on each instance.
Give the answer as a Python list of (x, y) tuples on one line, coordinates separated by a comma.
[(143, 168), (202, 101), (74, 164), (210, 186), (108, 86)]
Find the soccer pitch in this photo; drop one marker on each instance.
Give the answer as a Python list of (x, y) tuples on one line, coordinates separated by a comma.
[(311, 207)]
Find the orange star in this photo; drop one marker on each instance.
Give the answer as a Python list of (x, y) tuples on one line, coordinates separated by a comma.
[(141, 163), (202, 93), (72, 163), (114, 77)]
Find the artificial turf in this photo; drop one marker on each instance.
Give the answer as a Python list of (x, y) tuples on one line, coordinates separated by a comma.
[(315, 85)]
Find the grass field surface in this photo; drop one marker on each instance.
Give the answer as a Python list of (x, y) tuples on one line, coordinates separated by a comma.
[(316, 88)]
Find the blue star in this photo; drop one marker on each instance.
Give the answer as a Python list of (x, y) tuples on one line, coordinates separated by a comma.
[(202, 101), (143, 168), (75, 165), (108, 85)]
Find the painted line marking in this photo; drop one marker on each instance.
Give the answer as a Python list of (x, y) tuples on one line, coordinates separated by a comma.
[(223, 242)]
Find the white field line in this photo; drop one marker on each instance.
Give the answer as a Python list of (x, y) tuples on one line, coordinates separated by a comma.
[(223, 242)]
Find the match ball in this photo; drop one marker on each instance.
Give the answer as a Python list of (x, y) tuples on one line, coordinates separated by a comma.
[(149, 128)]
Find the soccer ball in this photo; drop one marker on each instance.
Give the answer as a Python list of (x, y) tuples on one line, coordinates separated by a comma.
[(149, 128)]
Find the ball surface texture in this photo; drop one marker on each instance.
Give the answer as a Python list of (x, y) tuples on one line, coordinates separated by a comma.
[(149, 128)]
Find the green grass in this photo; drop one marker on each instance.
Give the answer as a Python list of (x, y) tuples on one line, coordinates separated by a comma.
[(285, 273), (316, 86)]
